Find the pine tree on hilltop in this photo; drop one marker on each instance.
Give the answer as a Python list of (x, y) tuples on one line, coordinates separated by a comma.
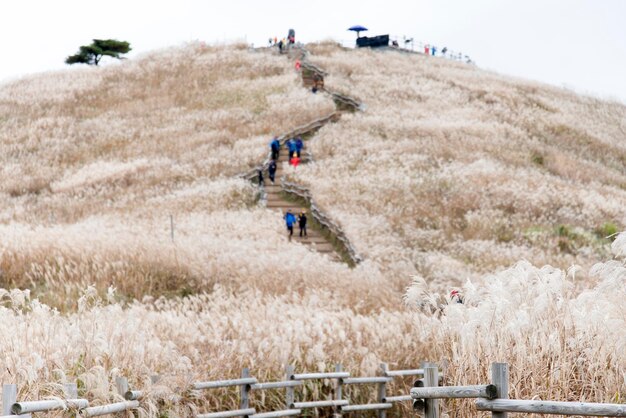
[(92, 54)]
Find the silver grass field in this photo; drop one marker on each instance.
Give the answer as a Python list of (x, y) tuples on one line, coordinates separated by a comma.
[(451, 178)]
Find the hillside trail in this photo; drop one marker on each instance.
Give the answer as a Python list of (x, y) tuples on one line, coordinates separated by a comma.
[(277, 199), (323, 235)]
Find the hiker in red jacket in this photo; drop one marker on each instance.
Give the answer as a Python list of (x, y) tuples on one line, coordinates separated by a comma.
[(295, 160), (456, 297)]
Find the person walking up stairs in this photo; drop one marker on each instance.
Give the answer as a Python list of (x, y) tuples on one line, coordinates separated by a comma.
[(276, 200)]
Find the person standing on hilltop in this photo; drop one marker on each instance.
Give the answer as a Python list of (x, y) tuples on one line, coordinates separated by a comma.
[(275, 147), (271, 169), (290, 219), (302, 222)]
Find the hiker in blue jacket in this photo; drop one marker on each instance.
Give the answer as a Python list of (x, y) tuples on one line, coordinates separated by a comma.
[(290, 219), (275, 147), (288, 145), (292, 147), (299, 146), (271, 169)]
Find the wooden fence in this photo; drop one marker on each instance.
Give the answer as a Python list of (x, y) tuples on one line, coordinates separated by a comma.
[(425, 395), (247, 386), (494, 397), (73, 405)]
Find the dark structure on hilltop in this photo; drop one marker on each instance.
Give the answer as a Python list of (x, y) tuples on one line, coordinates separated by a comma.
[(373, 41)]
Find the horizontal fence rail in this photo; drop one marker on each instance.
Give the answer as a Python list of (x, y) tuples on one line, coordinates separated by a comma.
[(319, 404), (113, 408), (311, 376), (552, 407), (133, 395), (226, 414), (20, 408), (410, 372), (401, 398), (224, 383), (366, 407), (454, 392), (276, 385), (366, 380), (276, 414)]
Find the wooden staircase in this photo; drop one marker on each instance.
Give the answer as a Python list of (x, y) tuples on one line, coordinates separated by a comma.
[(294, 197), (276, 199)]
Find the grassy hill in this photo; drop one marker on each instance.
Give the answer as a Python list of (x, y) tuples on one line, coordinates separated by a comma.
[(453, 171), (450, 173)]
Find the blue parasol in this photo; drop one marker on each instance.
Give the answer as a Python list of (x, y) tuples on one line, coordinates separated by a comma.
[(358, 29)]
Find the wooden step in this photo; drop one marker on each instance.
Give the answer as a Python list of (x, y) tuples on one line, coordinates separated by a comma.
[(326, 247), (276, 197), (284, 206), (310, 239)]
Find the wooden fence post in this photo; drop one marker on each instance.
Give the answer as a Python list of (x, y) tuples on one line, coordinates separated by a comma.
[(121, 385), (500, 378), (338, 392), (431, 378), (289, 396), (244, 391), (382, 390), (9, 397), (71, 390)]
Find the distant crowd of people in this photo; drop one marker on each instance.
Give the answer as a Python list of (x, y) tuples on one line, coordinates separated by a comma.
[(283, 43), (294, 147), (433, 50)]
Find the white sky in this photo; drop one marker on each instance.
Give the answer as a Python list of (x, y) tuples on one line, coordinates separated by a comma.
[(580, 44)]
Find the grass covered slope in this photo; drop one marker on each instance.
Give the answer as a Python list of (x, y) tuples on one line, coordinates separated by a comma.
[(95, 160), (167, 136), (453, 171)]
